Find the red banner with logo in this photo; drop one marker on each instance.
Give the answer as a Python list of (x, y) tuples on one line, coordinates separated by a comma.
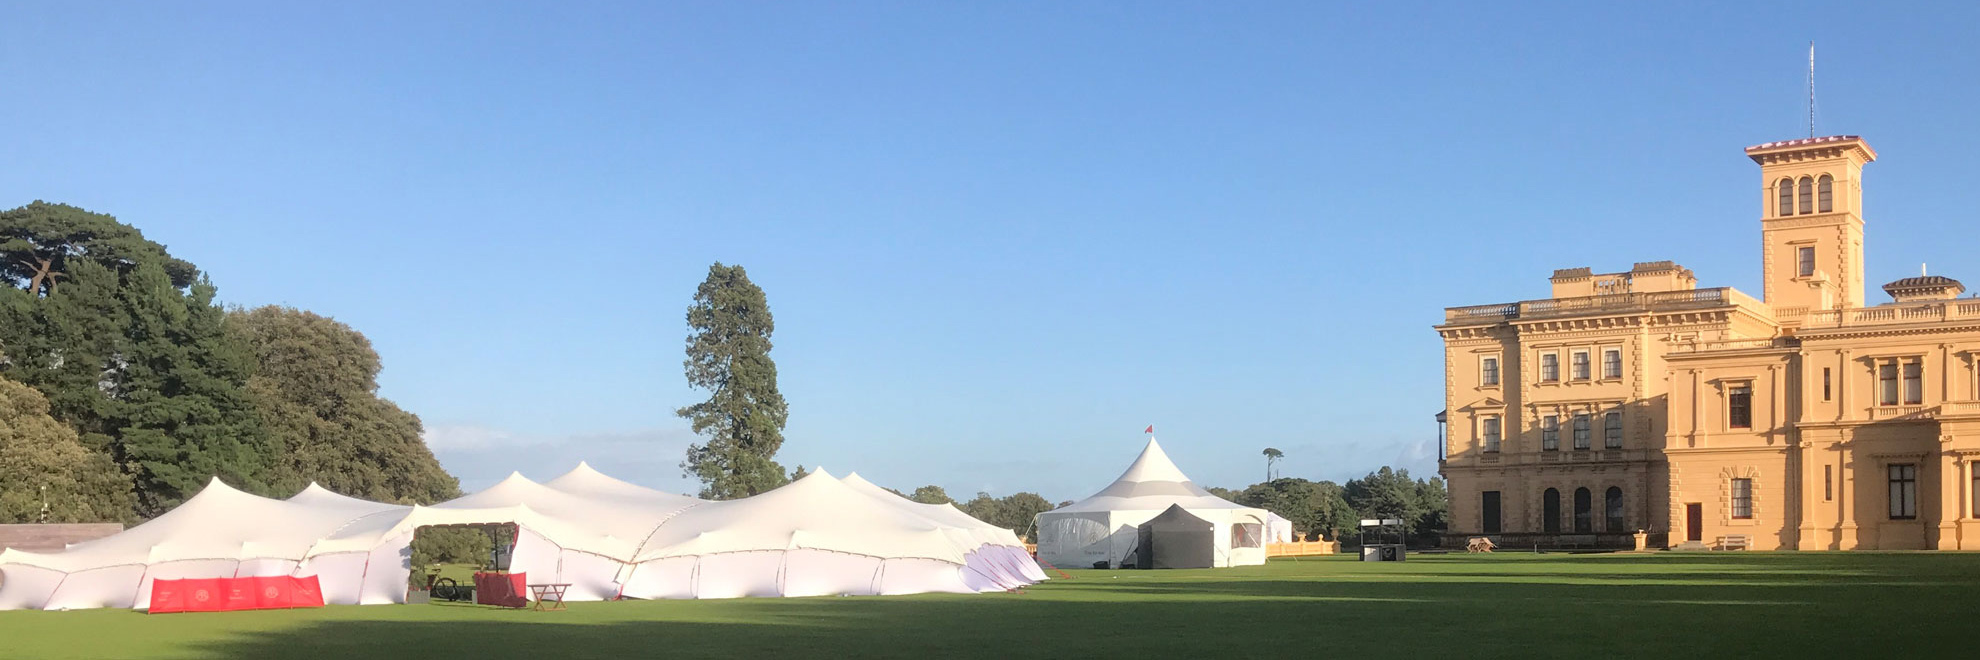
[(234, 594)]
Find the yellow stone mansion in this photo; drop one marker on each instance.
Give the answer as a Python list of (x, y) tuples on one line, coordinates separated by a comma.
[(1802, 420)]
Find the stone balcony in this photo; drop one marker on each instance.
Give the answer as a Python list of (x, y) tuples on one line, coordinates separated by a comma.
[(1919, 313), (1734, 345), (1558, 457), (1619, 303)]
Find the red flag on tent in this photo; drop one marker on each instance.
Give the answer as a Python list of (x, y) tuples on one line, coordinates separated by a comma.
[(1151, 429)]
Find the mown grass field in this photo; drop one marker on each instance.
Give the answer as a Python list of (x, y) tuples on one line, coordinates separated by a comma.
[(1730, 605)]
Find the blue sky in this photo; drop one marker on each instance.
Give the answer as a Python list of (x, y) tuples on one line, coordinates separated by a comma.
[(999, 238)]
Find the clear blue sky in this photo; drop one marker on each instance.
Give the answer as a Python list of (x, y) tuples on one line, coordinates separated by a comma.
[(999, 238)]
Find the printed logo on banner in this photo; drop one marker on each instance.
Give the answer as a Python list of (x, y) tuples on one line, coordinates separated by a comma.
[(202, 595)]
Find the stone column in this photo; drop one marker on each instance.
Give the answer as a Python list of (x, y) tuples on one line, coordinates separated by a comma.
[(1842, 393), (1776, 428), (1945, 373), (1950, 468), (1846, 497), (1967, 498), (1804, 460)]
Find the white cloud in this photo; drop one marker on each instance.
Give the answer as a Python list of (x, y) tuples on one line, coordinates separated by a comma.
[(464, 437)]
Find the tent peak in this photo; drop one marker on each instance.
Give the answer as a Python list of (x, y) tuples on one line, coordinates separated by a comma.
[(1153, 465)]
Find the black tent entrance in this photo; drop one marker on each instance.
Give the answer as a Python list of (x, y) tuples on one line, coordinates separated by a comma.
[(1176, 539)]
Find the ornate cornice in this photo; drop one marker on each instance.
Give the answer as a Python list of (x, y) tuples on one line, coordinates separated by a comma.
[(1863, 332), (1821, 220)]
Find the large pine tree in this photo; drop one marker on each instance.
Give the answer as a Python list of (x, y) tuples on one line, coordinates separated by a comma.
[(128, 346), (728, 354)]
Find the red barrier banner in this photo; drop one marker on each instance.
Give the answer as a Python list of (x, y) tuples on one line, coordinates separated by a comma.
[(305, 591), (168, 596), (504, 589), (239, 594), (206, 595), (271, 593), (234, 594)]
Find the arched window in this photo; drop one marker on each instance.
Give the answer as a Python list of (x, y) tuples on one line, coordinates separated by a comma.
[(1612, 505), (1584, 516), (1550, 511), (1825, 192), (1786, 188), (1807, 195)]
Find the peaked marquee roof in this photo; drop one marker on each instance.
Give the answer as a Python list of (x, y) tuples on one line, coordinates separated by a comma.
[(1151, 483)]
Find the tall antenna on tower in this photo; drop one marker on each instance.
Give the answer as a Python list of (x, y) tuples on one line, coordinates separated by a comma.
[(1811, 89)]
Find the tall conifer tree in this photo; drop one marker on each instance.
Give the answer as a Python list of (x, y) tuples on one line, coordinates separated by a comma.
[(728, 354)]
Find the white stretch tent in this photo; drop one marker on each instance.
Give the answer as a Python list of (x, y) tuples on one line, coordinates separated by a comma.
[(999, 558), (1277, 528), (605, 537), (1101, 528)]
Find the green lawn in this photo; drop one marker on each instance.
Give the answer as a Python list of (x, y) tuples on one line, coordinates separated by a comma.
[(1732, 605)]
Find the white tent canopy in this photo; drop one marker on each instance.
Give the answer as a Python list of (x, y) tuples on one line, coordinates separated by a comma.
[(1277, 528), (605, 537), (998, 558), (1101, 529)]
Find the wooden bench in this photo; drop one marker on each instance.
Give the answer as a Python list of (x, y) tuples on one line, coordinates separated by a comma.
[(1479, 544), (1733, 542)]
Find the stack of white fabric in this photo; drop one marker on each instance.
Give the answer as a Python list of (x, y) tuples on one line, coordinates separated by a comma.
[(605, 537)]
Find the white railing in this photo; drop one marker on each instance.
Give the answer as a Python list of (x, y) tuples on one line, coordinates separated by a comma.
[(1908, 313), (1621, 302), (1482, 312), (1960, 408), (1730, 345), (1896, 412)]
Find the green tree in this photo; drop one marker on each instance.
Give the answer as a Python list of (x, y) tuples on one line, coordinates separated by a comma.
[(1272, 457), (931, 495), (728, 355), (46, 475), (1295, 499), (1334, 516), (129, 349), (1021, 511), (40, 240), (1391, 493), (1313, 508), (1434, 503), (985, 508), (315, 389), (184, 416), (1014, 512), (434, 546)]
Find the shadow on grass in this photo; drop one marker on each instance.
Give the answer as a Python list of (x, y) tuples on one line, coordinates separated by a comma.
[(1659, 606), (1480, 618)]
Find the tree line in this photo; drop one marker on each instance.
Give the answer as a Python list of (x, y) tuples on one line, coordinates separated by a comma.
[(124, 386), (1326, 510)]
